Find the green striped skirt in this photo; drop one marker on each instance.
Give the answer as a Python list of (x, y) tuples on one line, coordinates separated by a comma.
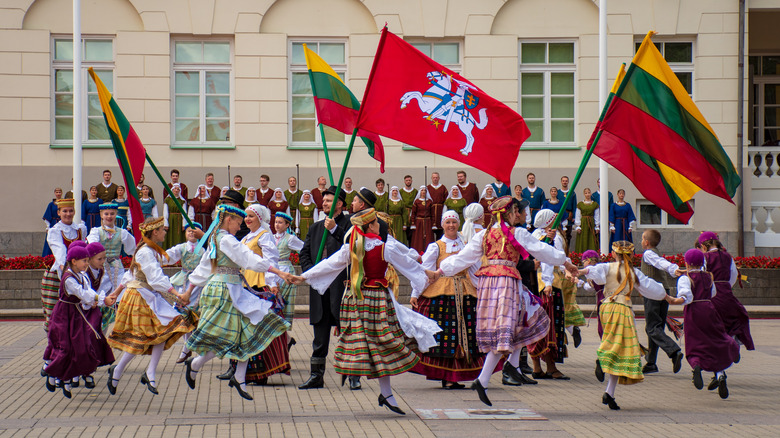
[(619, 353), (50, 294), (371, 342)]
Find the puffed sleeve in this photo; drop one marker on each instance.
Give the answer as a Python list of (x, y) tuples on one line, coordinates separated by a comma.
[(397, 254), (165, 214), (54, 238), (200, 275), (151, 268), (684, 290), (733, 274), (649, 287), (294, 243), (174, 254), (94, 235), (128, 242), (243, 256), (270, 251), (597, 273), (540, 250), (596, 219), (321, 275), (467, 257), (578, 218), (430, 256)]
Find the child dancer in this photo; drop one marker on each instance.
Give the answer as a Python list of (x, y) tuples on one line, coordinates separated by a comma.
[(76, 343), (619, 352), (286, 243), (101, 283), (707, 345), (590, 258)]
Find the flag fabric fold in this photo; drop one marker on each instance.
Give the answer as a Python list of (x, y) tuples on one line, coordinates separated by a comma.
[(336, 106), (130, 152), (413, 99)]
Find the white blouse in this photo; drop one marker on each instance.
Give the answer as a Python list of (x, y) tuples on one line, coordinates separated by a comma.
[(646, 285), (54, 238), (685, 291)]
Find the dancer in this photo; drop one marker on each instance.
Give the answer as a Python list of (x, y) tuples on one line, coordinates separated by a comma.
[(371, 339), (474, 222), (146, 320), (286, 242), (508, 318), (619, 353), (586, 224), (707, 345), (590, 258), (102, 283)]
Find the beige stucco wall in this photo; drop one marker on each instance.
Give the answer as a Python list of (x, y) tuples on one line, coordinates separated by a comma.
[(260, 31)]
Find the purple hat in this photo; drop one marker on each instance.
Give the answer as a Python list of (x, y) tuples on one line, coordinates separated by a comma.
[(77, 252), (95, 248), (694, 257), (80, 243), (707, 235), (590, 254)]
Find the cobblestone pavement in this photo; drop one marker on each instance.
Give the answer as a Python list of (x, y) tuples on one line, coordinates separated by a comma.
[(664, 405)]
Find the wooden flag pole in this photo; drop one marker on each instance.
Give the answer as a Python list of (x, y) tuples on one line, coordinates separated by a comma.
[(338, 192), (168, 189)]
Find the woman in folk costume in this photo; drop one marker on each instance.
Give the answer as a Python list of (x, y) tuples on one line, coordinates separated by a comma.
[(396, 209), (487, 198), (555, 205), (724, 272), (50, 217), (77, 346), (277, 203), (147, 323), (173, 218), (148, 204), (619, 353), (235, 323), (123, 209), (508, 316), (452, 303), (190, 256), (421, 220), (203, 205), (621, 219), (286, 242), (455, 202), (90, 209), (586, 224), (251, 197), (307, 211), (474, 216), (373, 325)]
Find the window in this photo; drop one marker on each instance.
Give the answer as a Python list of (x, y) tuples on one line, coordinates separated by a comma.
[(547, 91), (679, 56), (445, 53), (201, 94), (99, 54), (765, 101), (649, 215), (303, 119)]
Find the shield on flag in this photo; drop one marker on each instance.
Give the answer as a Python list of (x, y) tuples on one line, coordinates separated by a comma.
[(470, 100)]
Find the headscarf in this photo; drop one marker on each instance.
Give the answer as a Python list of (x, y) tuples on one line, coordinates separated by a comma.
[(471, 213), (206, 195), (357, 250), (224, 190), (397, 191), (280, 191), (263, 213), (449, 194), (427, 195), (246, 198), (179, 186), (484, 192), (544, 218), (304, 194)]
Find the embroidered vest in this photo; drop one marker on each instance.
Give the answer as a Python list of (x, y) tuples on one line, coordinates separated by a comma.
[(252, 277), (111, 242), (446, 285), (502, 257)]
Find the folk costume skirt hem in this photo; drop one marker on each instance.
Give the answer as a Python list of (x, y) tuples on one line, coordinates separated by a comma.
[(619, 353)]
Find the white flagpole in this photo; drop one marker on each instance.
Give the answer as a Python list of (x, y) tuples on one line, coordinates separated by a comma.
[(603, 166), (77, 110)]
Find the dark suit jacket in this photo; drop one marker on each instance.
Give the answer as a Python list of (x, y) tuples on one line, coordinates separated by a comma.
[(528, 274), (308, 256)]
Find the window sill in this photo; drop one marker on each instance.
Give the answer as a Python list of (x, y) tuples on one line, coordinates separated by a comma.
[(314, 146), (545, 147), (203, 146), (83, 146)]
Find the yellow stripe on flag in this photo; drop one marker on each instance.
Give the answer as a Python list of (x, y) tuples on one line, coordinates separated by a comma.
[(318, 65), (105, 98), (619, 79), (681, 185)]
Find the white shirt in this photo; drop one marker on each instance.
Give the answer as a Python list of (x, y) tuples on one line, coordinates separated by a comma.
[(646, 285), (685, 291), (80, 287), (236, 251), (578, 218), (658, 262), (54, 238), (128, 241)]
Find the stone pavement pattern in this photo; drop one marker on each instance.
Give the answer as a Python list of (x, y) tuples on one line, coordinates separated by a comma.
[(664, 405)]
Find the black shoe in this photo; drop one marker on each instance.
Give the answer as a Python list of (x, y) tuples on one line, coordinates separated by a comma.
[(510, 375), (452, 385), (261, 382), (577, 337), (525, 368), (89, 382), (110, 383), (145, 381), (290, 343), (698, 383), (739, 356), (67, 394), (527, 380), (354, 383), (600, 372), (43, 372), (51, 387), (227, 375), (190, 380), (383, 402), (610, 401), (677, 361), (74, 383), (649, 368), (315, 379), (713, 384), (723, 390), (481, 391), (233, 383), (541, 375)]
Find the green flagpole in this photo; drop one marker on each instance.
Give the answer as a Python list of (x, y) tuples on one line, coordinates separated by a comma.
[(322, 132), (168, 189), (338, 192)]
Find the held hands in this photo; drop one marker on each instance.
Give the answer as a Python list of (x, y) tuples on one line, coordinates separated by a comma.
[(295, 279), (432, 275), (110, 300), (671, 300), (571, 270), (679, 272)]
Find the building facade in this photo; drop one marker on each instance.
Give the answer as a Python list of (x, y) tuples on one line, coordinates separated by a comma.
[(221, 86)]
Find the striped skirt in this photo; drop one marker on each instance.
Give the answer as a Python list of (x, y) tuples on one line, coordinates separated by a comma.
[(573, 314), (619, 352), (503, 324), (273, 360), (553, 345), (371, 342), (288, 292), (50, 294), (137, 329), (224, 330)]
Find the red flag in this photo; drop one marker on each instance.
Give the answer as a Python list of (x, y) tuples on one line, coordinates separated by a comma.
[(413, 99)]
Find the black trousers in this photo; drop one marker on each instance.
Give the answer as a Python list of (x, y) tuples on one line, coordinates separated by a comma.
[(319, 345), (655, 325)]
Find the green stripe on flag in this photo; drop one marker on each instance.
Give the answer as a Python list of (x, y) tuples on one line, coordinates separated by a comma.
[(330, 88)]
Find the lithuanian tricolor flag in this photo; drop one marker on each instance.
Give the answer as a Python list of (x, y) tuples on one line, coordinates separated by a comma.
[(651, 112), (336, 106), (130, 153)]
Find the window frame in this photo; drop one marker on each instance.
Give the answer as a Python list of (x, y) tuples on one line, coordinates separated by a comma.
[(55, 65), (302, 68), (547, 70), (677, 67), (664, 217), (757, 105), (202, 68)]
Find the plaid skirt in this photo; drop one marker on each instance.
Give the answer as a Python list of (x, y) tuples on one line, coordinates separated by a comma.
[(288, 292), (371, 342), (573, 314), (503, 324), (619, 352), (224, 330), (50, 294), (137, 329), (273, 360)]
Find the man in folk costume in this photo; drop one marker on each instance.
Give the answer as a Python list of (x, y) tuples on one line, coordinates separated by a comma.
[(213, 191), (438, 194), (409, 194), (534, 195), (140, 187), (324, 309), (293, 196), (500, 189), (571, 207), (350, 194), (264, 193), (106, 190), (468, 190), (238, 180), (175, 180), (317, 192)]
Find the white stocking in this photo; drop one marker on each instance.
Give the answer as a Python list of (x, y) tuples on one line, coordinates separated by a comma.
[(151, 370), (120, 367), (240, 373), (491, 360), (514, 358), (184, 349), (199, 361), (612, 381), (570, 329), (386, 390), (718, 374)]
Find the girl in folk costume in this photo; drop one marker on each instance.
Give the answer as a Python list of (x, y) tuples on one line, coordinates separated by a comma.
[(115, 240), (455, 202), (708, 347), (76, 343), (59, 237), (148, 204), (234, 323), (371, 338), (50, 217), (619, 353), (452, 303), (307, 211), (475, 217), (286, 242), (251, 197), (90, 209), (590, 258), (621, 219), (278, 204), (203, 205), (421, 220), (190, 256), (586, 224), (173, 218), (147, 322), (508, 316), (724, 272), (123, 209), (487, 198), (396, 210)]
